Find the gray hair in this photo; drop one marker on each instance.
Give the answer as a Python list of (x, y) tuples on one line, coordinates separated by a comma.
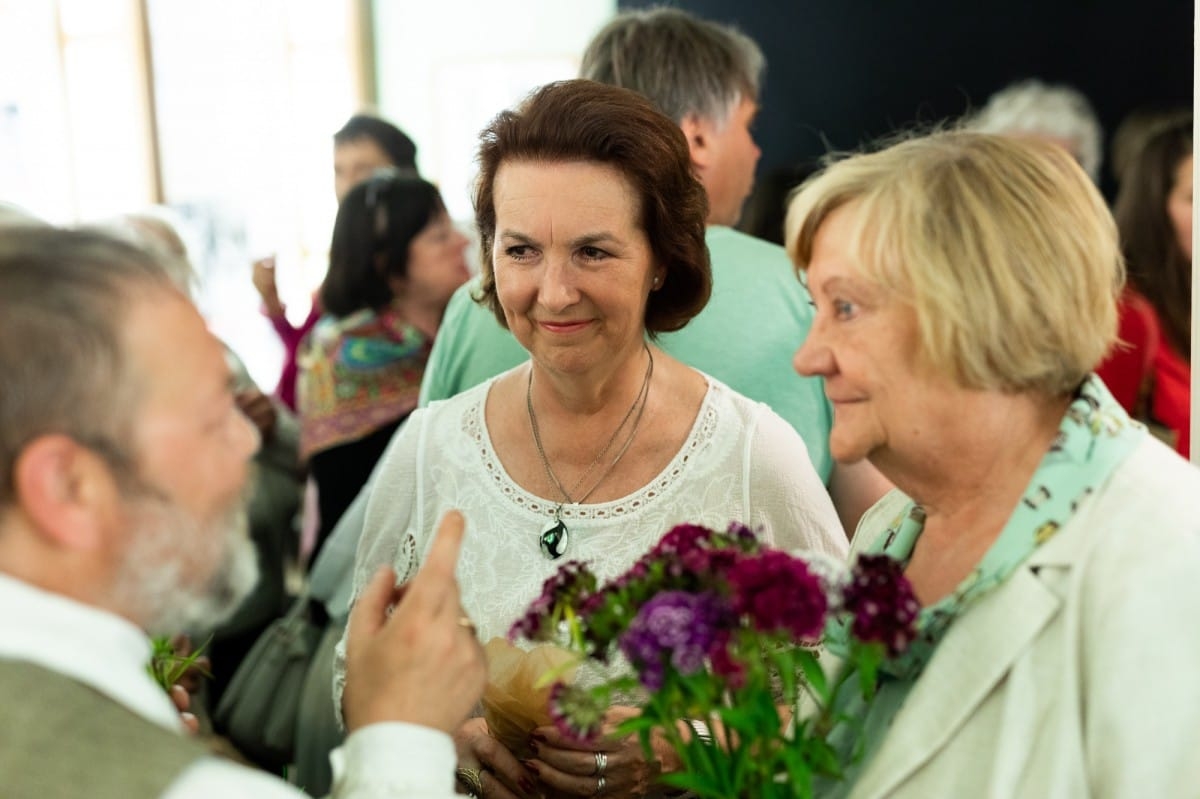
[(63, 296), (153, 231), (1032, 107), (16, 216), (684, 64)]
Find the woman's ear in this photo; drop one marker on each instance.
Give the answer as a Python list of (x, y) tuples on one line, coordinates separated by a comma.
[(66, 490)]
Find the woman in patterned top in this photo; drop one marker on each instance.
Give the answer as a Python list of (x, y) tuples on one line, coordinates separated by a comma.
[(394, 261)]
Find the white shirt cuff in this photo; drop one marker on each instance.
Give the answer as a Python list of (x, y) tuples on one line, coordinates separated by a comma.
[(395, 758)]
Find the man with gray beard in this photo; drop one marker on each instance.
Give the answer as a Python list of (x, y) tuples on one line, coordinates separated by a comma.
[(123, 458)]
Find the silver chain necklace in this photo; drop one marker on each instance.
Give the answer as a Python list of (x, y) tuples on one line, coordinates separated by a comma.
[(553, 540)]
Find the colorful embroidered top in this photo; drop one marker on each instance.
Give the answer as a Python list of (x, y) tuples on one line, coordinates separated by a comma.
[(357, 374)]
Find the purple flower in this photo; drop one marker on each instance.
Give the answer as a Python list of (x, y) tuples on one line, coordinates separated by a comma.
[(779, 594), (882, 602), (576, 712), (675, 628), (742, 536), (573, 582)]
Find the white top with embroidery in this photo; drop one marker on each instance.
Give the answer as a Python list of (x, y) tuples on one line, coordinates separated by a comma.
[(741, 462)]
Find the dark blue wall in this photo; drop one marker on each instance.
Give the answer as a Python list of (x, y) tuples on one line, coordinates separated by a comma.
[(845, 71)]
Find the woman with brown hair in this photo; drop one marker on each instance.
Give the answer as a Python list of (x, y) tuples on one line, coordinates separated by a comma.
[(592, 225), (1150, 371)]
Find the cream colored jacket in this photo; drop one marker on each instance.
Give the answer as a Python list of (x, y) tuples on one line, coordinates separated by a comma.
[(1080, 675)]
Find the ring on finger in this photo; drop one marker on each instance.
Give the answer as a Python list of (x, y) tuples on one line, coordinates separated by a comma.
[(601, 764), (471, 779), (599, 786)]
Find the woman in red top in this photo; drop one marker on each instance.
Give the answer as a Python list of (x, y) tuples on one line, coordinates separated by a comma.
[(1150, 374)]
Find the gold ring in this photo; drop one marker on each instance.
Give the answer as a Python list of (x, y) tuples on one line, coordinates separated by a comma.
[(471, 779), (465, 621)]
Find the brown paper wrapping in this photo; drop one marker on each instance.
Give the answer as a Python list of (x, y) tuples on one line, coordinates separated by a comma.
[(514, 701)]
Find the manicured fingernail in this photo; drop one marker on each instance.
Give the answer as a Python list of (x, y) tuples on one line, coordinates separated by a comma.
[(532, 766), (526, 784), (537, 736)]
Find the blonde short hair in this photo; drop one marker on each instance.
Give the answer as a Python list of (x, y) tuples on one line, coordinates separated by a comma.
[(1004, 248)]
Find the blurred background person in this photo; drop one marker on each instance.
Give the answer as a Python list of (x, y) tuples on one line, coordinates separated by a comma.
[(1051, 112), (1131, 134), (394, 261), (1149, 370), (364, 144)]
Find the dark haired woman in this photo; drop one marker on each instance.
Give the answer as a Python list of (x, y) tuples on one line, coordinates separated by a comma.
[(592, 227), (394, 261), (1150, 374)]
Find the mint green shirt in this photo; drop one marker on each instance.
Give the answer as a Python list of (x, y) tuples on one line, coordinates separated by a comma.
[(745, 337)]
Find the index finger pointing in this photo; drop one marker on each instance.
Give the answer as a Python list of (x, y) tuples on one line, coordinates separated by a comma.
[(442, 561)]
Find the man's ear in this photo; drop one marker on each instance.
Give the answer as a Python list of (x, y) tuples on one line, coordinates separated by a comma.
[(699, 134), (66, 490)]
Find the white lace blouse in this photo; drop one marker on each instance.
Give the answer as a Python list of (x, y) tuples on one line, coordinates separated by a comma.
[(741, 462)]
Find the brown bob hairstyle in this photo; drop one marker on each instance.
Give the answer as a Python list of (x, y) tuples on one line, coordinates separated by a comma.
[(583, 121)]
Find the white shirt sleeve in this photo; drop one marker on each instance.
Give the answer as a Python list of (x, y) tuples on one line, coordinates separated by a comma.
[(381, 761), (786, 495)]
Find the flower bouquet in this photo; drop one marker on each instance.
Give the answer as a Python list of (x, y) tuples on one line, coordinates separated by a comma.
[(720, 637)]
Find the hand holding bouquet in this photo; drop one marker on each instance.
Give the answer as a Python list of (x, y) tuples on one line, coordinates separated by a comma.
[(721, 636)]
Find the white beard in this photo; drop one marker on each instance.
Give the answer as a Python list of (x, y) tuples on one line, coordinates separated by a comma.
[(161, 580)]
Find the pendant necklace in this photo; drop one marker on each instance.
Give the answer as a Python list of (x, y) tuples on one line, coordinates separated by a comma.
[(553, 540)]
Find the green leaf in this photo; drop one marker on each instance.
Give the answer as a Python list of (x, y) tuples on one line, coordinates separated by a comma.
[(696, 783), (167, 668), (815, 675), (869, 658)]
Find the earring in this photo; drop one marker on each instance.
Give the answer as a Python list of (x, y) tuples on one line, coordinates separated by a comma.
[(656, 281)]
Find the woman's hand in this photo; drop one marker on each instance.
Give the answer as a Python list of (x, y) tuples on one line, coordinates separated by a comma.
[(500, 774), (263, 277), (570, 769)]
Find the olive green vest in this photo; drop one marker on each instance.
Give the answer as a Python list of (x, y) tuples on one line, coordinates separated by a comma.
[(60, 738)]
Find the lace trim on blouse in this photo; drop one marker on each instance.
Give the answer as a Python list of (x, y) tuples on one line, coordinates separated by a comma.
[(474, 426)]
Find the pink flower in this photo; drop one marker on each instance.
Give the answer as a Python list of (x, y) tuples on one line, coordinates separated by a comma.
[(882, 602), (572, 582), (681, 539), (724, 664), (779, 594), (576, 712)]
